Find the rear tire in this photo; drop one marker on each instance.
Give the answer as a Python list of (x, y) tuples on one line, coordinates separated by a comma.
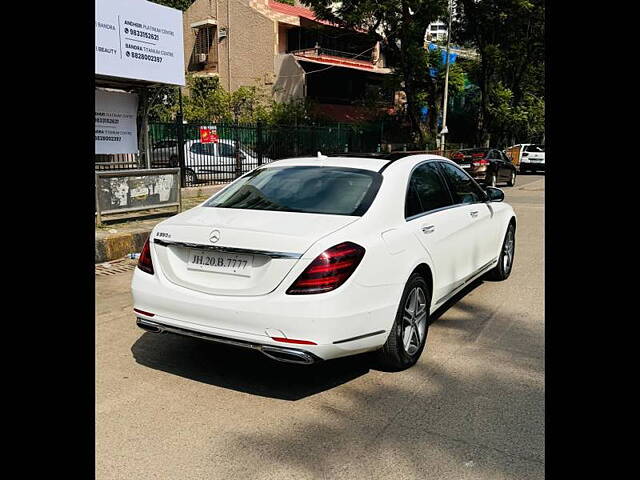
[(512, 180), (408, 334), (505, 260)]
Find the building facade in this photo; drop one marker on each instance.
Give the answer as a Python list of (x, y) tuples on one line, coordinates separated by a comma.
[(285, 49), (436, 32)]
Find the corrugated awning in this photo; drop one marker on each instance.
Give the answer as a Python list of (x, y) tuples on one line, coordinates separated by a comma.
[(204, 23)]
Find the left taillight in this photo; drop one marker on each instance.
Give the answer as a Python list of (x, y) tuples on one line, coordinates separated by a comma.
[(144, 262), (329, 270)]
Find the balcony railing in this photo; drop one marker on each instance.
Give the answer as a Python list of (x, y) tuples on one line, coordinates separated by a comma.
[(321, 54)]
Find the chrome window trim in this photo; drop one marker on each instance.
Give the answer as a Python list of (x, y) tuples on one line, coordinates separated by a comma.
[(247, 251), (424, 214)]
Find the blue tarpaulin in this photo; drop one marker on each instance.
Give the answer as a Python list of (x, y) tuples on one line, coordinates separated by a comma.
[(452, 57)]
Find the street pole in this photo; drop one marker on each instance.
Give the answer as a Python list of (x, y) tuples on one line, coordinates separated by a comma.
[(446, 85)]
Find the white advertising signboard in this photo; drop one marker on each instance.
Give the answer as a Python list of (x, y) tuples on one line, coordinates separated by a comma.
[(139, 40), (116, 122)]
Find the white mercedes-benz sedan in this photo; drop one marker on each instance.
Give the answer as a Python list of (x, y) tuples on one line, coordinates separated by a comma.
[(310, 259)]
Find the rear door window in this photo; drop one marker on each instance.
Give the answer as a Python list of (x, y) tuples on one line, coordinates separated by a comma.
[(463, 188), (427, 191), (534, 148), (226, 150)]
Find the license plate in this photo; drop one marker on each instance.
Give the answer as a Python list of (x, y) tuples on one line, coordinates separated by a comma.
[(465, 166), (537, 160), (220, 262)]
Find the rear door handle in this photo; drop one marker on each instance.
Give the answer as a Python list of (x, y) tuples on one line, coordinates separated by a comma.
[(428, 229), (474, 214)]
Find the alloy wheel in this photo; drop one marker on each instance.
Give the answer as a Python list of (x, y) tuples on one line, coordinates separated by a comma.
[(414, 321), (507, 255)]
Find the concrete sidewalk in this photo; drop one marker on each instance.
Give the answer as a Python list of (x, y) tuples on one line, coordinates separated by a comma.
[(120, 235)]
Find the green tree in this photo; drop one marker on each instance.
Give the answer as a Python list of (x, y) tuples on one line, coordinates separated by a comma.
[(401, 25), (178, 4), (509, 36)]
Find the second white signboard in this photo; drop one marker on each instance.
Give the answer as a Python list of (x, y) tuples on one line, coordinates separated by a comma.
[(116, 122)]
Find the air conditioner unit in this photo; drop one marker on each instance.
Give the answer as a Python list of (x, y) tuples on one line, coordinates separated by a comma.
[(201, 57)]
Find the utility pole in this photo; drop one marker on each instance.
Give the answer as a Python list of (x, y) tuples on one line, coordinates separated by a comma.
[(444, 130)]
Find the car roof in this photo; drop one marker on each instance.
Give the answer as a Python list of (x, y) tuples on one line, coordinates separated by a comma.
[(375, 161), (477, 149), (373, 164)]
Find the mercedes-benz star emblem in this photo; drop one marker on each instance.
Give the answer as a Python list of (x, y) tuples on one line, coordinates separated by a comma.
[(214, 236)]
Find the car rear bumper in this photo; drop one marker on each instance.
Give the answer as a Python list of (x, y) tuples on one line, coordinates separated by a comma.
[(347, 321), (531, 166), (282, 354)]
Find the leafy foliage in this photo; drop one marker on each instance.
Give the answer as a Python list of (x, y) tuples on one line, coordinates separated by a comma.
[(509, 35), (178, 4), (401, 26)]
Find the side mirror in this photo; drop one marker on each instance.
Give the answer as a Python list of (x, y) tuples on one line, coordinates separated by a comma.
[(494, 194)]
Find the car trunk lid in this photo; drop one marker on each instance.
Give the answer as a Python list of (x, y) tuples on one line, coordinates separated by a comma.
[(251, 250)]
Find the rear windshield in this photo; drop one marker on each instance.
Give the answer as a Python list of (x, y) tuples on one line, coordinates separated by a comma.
[(534, 148), (328, 190)]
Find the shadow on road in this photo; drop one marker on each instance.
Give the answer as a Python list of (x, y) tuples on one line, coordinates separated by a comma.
[(471, 414), (251, 372), (243, 370)]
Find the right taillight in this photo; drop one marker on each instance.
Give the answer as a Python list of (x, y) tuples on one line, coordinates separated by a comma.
[(329, 270), (144, 262)]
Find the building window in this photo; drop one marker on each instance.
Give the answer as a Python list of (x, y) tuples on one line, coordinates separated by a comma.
[(204, 55)]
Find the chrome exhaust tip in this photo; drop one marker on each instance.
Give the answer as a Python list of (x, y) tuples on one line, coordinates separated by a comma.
[(148, 326), (287, 355)]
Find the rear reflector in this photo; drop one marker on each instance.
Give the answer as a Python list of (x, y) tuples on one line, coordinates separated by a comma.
[(144, 262), (291, 340), (142, 312), (329, 270)]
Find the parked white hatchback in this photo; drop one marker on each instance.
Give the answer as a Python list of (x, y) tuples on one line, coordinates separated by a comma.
[(216, 161), (310, 259)]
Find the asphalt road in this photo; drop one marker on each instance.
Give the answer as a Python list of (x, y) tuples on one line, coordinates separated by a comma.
[(472, 408)]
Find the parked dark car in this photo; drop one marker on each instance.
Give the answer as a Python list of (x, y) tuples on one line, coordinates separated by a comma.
[(486, 165)]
